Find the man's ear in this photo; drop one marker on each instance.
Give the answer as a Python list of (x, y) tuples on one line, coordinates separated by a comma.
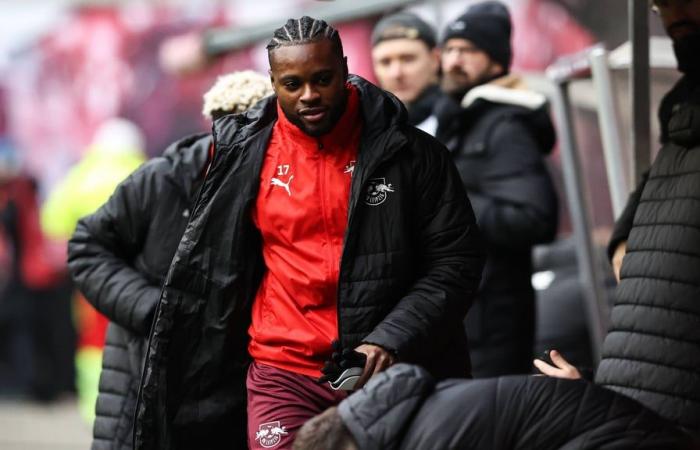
[(496, 69), (345, 68), (435, 60), (272, 80)]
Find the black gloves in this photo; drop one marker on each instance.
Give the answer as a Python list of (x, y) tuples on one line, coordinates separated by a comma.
[(341, 359)]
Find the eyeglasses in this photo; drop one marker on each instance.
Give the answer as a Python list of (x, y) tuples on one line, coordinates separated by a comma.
[(658, 5)]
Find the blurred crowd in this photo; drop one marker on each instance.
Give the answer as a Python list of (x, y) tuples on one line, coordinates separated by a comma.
[(107, 139)]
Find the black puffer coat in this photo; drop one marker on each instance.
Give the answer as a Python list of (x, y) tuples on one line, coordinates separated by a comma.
[(498, 142), (652, 350), (119, 257), (409, 270), (404, 408)]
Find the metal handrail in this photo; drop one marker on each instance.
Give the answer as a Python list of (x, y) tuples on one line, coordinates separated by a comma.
[(640, 87), (609, 123), (596, 306)]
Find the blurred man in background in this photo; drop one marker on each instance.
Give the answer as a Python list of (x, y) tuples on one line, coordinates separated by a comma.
[(37, 339), (406, 63), (499, 134), (119, 256)]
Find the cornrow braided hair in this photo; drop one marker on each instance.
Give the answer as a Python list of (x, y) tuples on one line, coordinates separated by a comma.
[(303, 31)]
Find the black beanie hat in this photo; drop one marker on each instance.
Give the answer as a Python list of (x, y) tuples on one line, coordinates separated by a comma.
[(487, 25), (403, 25)]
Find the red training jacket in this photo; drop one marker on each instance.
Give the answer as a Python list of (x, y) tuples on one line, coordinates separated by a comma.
[(301, 212)]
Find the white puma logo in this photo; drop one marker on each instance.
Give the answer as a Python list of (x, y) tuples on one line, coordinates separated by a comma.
[(278, 182), (350, 168)]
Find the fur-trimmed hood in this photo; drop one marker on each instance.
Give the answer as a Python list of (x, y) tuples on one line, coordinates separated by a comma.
[(509, 90)]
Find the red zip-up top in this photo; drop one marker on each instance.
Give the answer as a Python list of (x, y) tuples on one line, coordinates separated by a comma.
[(301, 212)]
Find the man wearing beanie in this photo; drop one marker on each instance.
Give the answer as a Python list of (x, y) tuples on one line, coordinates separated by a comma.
[(406, 63), (499, 134)]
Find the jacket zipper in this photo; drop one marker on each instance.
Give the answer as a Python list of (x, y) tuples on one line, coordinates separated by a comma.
[(356, 188), (324, 206)]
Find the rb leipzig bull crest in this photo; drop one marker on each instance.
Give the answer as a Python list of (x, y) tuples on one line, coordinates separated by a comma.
[(377, 191), (269, 434)]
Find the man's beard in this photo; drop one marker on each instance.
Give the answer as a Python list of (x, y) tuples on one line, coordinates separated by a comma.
[(334, 115), (457, 90), (687, 50)]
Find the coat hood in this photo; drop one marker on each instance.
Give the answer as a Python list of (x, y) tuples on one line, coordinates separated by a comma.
[(188, 159), (379, 414), (507, 90)]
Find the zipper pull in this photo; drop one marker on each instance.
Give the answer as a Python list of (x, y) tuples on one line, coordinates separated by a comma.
[(320, 145)]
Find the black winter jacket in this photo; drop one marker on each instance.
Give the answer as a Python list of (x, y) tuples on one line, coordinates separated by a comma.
[(409, 269), (652, 350), (499, 140), (404, 408), (119, 257), (422, 108)]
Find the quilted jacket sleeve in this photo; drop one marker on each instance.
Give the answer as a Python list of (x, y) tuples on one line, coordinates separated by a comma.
[(102, 249), (623, 224)]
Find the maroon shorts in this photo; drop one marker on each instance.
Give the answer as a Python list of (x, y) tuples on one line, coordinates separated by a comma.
[(280, 402)]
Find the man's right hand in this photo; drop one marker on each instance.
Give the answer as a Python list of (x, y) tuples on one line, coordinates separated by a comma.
[(378, 360), (617, 259)]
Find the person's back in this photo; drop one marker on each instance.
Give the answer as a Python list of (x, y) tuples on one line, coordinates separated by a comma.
[(652, 350)]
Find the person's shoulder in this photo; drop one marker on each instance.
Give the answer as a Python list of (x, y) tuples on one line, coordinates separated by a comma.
[(188, 154), (683, 91), (422, 143), (184, 151), (506, 113)]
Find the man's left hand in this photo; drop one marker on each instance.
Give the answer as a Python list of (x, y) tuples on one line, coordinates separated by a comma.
[(560, 369), (378, 359)]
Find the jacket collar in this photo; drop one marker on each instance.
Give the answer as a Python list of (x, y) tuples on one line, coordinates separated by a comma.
[(188, 159), (422, 107)]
